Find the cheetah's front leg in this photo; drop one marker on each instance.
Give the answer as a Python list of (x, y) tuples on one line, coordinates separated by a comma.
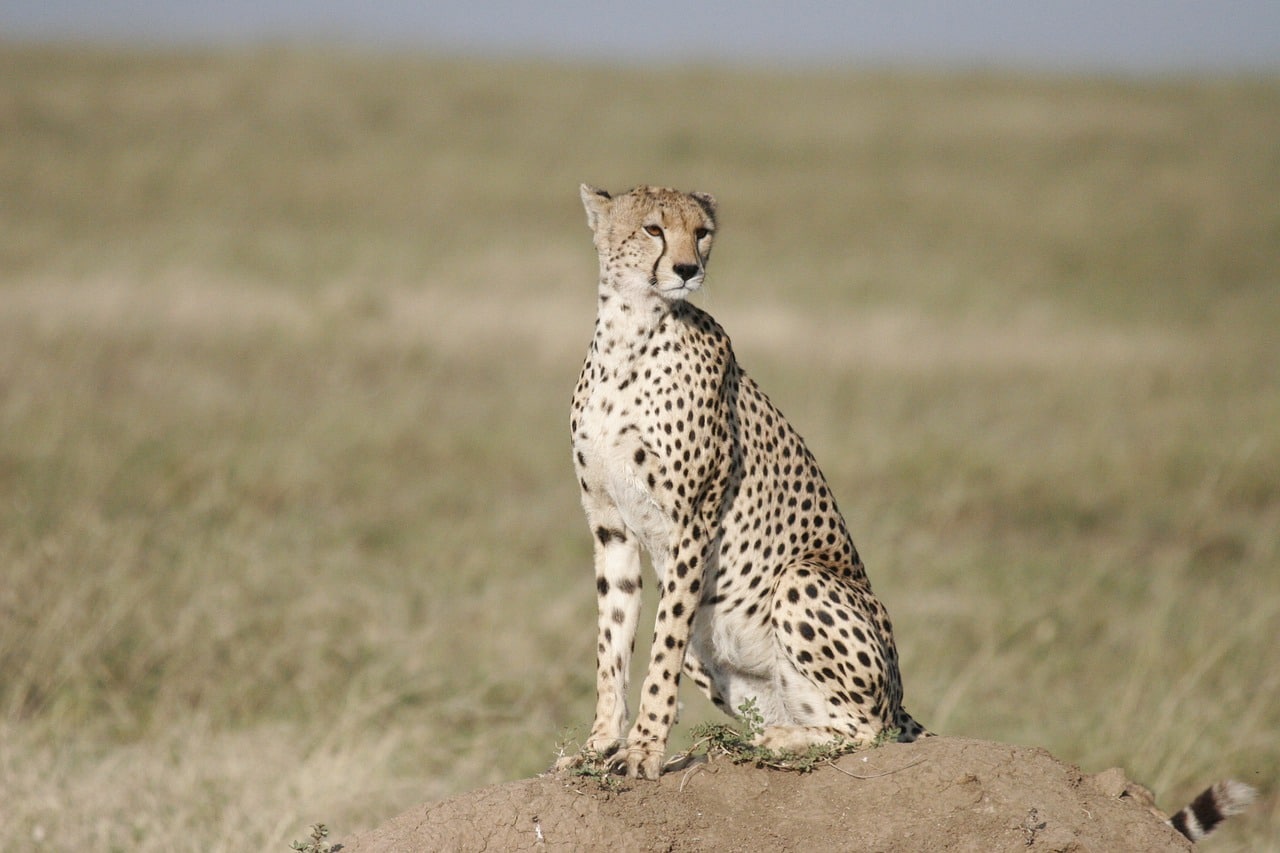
[(677, 605), (618, 582)]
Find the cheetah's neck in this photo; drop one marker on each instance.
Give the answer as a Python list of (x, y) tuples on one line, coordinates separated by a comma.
[(625, 326)]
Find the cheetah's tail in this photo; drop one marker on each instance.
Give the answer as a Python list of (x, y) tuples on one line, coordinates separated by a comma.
[(1214, 805), (909, 730)]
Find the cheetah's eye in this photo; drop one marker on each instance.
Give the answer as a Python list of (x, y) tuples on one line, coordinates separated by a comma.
[(701, 233), (653, 230)]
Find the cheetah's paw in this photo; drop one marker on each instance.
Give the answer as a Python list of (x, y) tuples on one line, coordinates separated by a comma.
[(638, 760)]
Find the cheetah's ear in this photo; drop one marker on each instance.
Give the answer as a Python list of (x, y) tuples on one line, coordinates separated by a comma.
[(708, 202), (597, 202)]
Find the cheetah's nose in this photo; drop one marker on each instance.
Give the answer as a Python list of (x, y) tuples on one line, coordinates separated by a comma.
[(685, 271)]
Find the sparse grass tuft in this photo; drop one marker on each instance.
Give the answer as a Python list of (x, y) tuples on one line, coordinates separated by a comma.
[(598, 767), (589, 763), (739, 746)]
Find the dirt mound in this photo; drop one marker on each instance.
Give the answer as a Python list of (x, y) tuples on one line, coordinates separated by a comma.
[(938, 794)]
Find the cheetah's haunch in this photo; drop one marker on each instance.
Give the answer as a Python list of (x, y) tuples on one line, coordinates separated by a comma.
[(762, 594)]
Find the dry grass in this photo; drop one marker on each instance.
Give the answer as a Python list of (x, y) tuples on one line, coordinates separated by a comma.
[(288, 532)]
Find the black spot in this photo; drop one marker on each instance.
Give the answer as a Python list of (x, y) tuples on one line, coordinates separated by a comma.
[(604, 534), (793, 595), (864, 658), (602, 585), (806, 630), (639, 457)]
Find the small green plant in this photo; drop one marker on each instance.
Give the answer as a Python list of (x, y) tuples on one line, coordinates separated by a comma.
[(316, 843), (593, 764), (589, 763), (740, 747)]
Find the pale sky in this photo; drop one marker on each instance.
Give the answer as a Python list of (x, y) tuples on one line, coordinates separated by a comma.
[(1086, 35)]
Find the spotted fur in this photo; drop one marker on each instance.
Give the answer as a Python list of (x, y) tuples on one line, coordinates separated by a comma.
[(762, 594)]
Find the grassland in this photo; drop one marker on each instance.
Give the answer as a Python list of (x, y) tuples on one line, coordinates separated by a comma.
[(288, 530)]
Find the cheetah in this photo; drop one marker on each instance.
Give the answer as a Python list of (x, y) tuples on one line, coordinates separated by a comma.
[(762, 595)]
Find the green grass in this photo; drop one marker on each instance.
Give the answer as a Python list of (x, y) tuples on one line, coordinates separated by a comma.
[(288, 529)]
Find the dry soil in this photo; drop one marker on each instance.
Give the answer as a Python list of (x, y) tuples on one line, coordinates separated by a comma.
[(939, 794)]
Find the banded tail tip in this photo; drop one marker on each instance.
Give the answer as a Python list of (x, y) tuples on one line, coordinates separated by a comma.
[(1214, 805)]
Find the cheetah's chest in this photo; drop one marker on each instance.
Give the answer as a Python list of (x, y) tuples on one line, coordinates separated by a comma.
[(647, 419), (616, 463)]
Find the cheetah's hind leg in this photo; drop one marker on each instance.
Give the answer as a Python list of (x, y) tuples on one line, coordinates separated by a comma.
[(837, 674)]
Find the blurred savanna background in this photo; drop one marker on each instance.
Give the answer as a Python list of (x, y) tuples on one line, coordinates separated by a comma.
[(288, 527)]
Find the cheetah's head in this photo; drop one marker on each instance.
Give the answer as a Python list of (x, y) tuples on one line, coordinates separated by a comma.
[(652, 240)]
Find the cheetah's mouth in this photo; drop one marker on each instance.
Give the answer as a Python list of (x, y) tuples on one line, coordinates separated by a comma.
[(677, 290)]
